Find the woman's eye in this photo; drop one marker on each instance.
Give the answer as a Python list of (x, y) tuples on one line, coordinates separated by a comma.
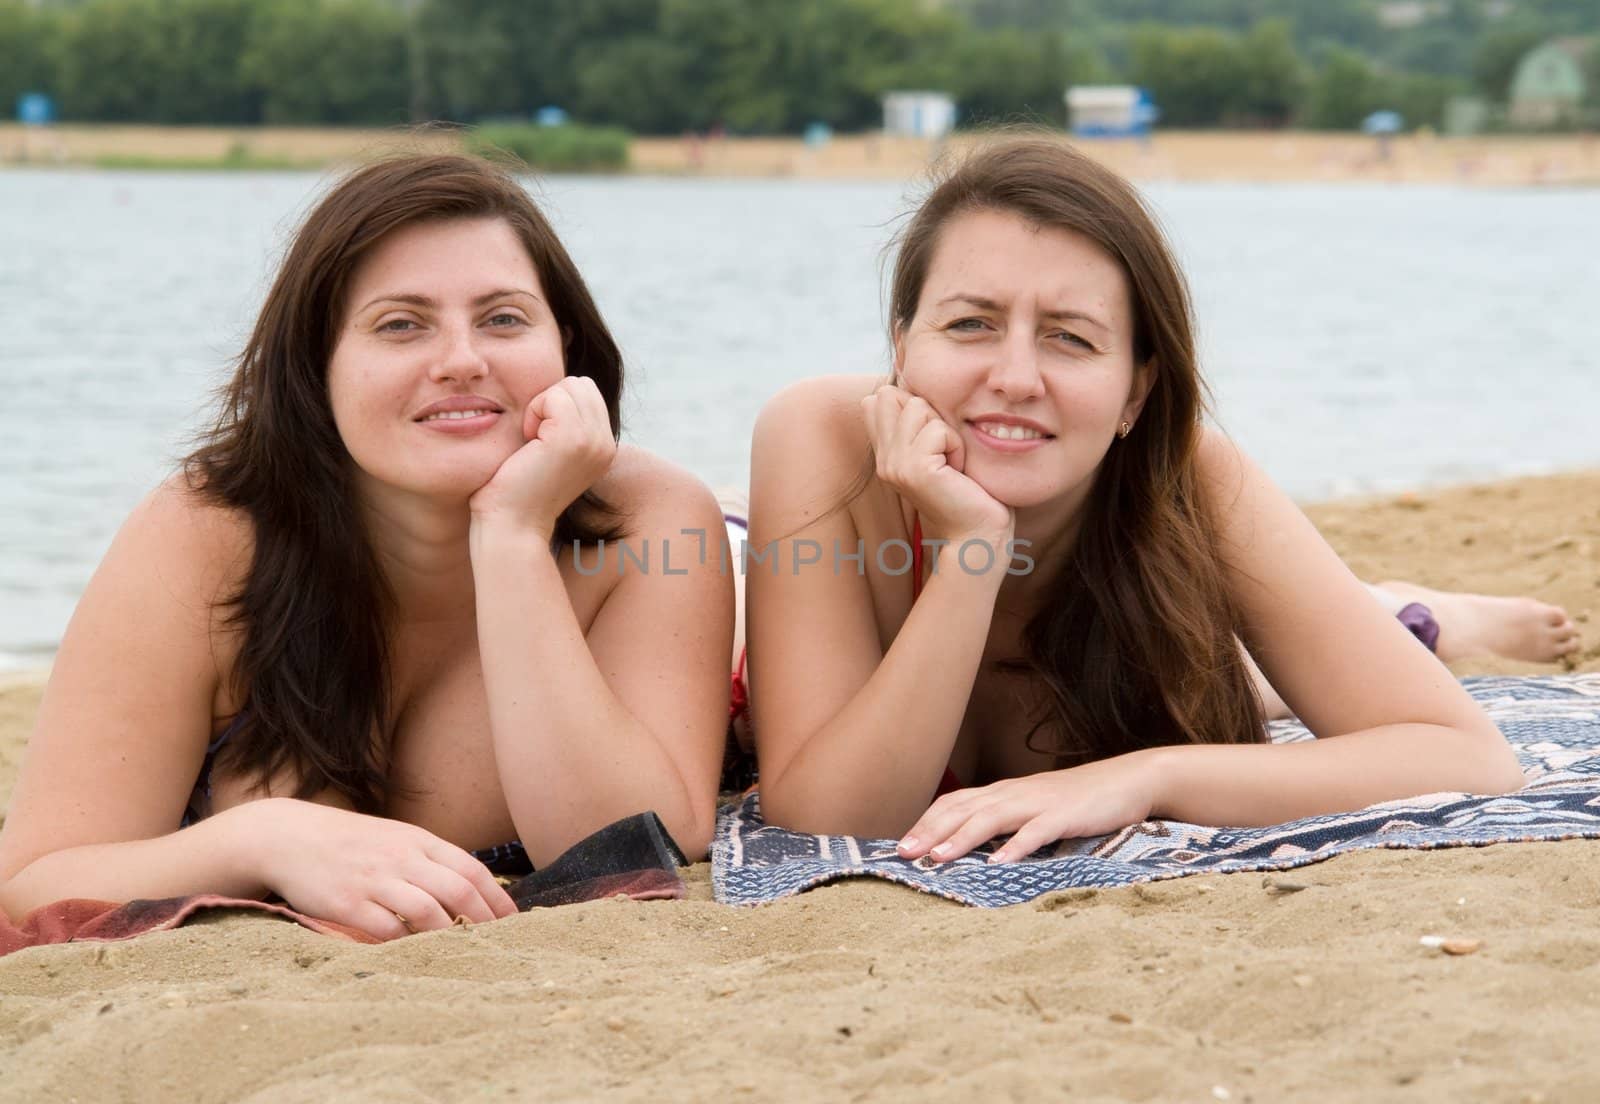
[(1074, 339), (505, 319), (968, 325), (396, 325)]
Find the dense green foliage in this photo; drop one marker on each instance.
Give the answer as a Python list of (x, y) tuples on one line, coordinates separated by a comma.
[(238, 157), (758, 66), (560, 148)]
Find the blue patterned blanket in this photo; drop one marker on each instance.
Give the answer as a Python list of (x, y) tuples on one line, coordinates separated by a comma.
[(1553, 723)]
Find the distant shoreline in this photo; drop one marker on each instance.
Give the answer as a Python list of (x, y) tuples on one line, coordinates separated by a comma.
[(1183, 156)]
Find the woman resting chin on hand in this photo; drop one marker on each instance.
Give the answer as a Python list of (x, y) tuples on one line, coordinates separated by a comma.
[(350, 648), (1046, 407)]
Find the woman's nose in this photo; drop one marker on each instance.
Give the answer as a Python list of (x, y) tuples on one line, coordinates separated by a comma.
[(1015, 372), (460, 359)]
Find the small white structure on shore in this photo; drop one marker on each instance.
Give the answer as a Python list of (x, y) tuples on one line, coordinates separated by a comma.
[(1109, 110), (918, 114), (1548, 86)]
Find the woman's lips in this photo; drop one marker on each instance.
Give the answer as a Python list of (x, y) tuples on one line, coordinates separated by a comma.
[(1017, 438), (461, 423)]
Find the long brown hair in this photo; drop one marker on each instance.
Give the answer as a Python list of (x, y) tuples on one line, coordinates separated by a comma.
[(313, 610), (1134, 640)]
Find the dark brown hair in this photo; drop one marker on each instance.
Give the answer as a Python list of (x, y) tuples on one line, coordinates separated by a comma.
[(313, 611), (1135, 639)]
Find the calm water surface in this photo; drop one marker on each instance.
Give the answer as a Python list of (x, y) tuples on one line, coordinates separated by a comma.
[(1357, 339)]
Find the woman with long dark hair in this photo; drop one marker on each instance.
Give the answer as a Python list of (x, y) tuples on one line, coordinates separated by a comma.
[(1018, 574), (380, 636)]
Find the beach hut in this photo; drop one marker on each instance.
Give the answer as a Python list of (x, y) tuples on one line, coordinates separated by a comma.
[(918, 114), (1110, 111), (1548, 86)]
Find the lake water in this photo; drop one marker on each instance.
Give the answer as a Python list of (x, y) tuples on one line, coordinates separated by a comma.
[(1357, 339)]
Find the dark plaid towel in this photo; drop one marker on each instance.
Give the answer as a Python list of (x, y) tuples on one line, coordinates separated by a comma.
[(1552, 722), (634, 857)]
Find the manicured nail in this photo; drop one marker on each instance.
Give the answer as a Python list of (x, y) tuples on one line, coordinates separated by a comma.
[(908, 843), (941, 851)]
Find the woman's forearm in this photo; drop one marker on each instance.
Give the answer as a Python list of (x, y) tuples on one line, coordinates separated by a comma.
[(872, 768), (1257, 785), (218, 855), (570, 755)]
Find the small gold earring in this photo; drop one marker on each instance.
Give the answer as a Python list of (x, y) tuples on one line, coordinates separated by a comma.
[(1124, 429)]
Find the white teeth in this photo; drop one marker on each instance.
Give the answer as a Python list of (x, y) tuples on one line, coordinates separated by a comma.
[(455, 415), (1010, 432)]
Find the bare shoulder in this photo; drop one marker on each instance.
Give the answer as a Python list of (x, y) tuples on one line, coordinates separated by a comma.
[(139, 680), (810, 449), (201, 549), (1240, 496), (1222, 466), (655, 495), (825, 405)]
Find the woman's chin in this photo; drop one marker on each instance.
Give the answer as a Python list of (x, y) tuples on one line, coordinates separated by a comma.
[(1017, 492), (445, 485)]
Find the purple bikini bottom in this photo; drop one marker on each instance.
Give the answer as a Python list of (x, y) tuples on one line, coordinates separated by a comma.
[(1419, 619)]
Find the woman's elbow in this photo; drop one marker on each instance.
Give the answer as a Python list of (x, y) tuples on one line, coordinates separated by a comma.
[(692, 833), (8, 909), (1497, 765), (784, 808), (1506, 778), (780, 809), (17, 896)]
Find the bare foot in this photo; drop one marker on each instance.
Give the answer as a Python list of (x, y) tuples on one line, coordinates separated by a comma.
[(1483, 624)]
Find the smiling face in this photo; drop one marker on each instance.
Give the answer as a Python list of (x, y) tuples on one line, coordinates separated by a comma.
[(1023, 342), (446, 337)]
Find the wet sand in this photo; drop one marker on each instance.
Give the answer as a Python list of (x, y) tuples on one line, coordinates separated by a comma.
[(1199, 989)]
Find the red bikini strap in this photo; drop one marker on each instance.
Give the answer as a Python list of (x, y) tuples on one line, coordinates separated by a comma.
[(916, 557)]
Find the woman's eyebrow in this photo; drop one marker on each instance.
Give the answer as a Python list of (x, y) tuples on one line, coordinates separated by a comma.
[(979, 301), (985, 303), (1075, 316), (413, 299)]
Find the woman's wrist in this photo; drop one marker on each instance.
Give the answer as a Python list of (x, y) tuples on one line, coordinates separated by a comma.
[(248, 838), (1156, 769), (990, 557), (494, 527)]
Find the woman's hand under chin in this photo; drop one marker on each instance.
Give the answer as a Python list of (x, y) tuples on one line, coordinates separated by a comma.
[(922, 458), (1091, 800), (569, 448)]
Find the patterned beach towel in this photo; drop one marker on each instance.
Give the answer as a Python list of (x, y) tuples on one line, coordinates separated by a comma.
[(1552, 722)]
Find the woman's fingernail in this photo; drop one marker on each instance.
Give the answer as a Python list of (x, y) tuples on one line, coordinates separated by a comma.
[(941, 851), (998, 856), (908, 843)]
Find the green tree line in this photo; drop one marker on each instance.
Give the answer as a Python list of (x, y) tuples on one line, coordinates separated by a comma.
[(754, 66)]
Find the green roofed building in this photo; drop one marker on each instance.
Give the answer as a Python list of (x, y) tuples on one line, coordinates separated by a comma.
[(1548, 87)]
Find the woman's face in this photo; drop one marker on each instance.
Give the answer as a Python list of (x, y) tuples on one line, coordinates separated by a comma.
[(1023, 343), (446, 338)]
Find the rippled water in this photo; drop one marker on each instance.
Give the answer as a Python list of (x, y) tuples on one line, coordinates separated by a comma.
[(1357, 338)]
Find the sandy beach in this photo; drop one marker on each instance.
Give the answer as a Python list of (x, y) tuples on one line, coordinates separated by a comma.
[(1199, 989), (1234, 156)]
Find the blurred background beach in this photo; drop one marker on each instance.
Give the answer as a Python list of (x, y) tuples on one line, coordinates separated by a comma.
[(1389, 213), (1361, 336)]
